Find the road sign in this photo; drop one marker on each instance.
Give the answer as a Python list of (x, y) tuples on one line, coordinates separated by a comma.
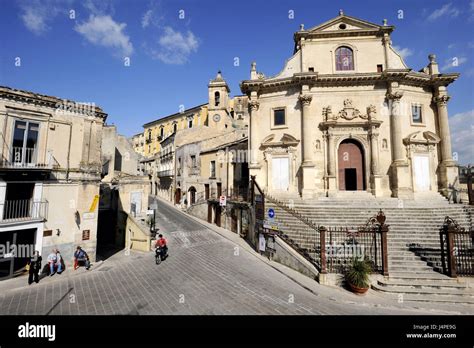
[(88, 216), (149, 212), (222, 201), (271, 225), (271, 213)]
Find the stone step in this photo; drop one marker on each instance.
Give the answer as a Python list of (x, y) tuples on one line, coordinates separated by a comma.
[(454, 292), (413, 268), (435, 298), (424, 283), (408, 274)]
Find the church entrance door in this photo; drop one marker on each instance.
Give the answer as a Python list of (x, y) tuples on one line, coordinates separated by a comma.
[(351, 168)]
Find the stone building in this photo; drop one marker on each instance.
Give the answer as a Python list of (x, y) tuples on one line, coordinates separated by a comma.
[(124, 193), (220, 115), (347, 114), (50, 172)]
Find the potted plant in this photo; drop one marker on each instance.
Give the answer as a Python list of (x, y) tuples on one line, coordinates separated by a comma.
[(357, 275)]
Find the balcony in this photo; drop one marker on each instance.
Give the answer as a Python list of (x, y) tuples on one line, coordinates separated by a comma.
[(23, 210), (25, 158), (169, 172)]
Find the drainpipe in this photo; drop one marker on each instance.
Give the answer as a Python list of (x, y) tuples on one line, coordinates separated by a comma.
[(69, 151)]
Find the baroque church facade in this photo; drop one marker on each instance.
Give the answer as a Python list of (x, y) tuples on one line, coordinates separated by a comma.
[(347, 114)]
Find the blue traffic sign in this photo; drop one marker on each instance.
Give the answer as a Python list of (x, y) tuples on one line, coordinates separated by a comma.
[(271, 213)]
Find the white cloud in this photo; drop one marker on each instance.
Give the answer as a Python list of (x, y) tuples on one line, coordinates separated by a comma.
[(147, 18), (445, 10), (404, 52), (471, 5), (453, 63), (37, 15), (103, 31), (175, 47), (462, 132), (99, 7)]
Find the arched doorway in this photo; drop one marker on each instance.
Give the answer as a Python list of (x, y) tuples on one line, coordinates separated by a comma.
[(177, 196), (192, 195), (351, 166)]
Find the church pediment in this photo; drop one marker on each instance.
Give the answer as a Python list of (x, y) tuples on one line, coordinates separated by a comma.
[(422, 138), (285, 140), (344, 23)]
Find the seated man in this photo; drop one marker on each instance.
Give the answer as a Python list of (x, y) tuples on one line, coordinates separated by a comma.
[(52, 259), (81, 256)]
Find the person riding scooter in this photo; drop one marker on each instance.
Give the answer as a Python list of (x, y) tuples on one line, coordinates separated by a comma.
[(161, 246)]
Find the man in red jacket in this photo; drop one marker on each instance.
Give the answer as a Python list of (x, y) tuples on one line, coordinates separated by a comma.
[(161, 243)]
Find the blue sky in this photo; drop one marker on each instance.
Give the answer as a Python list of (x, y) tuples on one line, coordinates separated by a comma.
[(175, 47)]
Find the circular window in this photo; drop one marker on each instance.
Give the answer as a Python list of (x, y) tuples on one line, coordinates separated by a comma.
[(342, 26)]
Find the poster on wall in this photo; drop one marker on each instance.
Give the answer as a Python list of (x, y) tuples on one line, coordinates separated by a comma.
[(261, 242)]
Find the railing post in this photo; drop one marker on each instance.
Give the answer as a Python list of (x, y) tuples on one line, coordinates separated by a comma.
[(383, 234), (450, 246), (322, 243)]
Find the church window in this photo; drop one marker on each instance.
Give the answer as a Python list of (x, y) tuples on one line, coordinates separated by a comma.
[(342, 26), (190, 123), (344, 59), (311, 69), (416, 115), (279, 117), (217, 98), (379, 67), (162, 132)]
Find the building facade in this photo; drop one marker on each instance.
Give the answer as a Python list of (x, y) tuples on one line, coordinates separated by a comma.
[(50, 172), (186, 129), (347, 114)]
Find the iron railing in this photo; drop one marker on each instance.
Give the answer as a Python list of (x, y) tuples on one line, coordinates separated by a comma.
[(332, 249), (343, 245), (169, 172), (23, 157), (457, 249), (23, 210)]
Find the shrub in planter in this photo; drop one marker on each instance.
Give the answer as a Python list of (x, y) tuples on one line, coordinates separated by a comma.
[(357, 275)]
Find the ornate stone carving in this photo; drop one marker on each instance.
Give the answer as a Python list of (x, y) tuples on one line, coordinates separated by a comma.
[(254, 105), (305, 99), (394, 96), (349, 112), (327, 113), (371, 112), (441, 100)]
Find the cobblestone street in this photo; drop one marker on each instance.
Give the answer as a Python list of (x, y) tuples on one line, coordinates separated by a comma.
[(205, 273)]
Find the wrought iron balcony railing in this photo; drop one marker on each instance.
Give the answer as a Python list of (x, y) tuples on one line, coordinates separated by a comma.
[(23, 210), (24, 157)]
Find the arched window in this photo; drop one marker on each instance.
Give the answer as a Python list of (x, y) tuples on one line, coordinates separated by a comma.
[(175, 128), (344, 59), (217, 98), (162, 132)]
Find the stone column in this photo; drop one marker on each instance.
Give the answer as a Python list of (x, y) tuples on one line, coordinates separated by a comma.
[(374, 151), (308, 165), (441, 102), (401, 182), (308, 151), (331, 177), (448, 171), (396, 126), (376, 178), (253, 108)]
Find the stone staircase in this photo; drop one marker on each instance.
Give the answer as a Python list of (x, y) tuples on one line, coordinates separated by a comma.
[(413, 239)]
